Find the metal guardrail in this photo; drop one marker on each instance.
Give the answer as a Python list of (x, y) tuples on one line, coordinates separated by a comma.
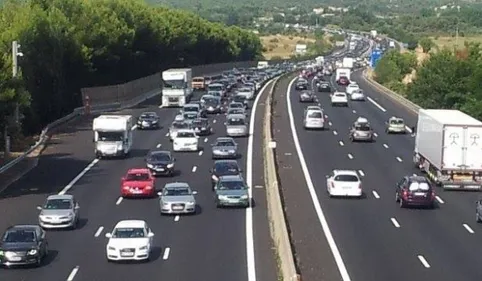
[(412, 107)]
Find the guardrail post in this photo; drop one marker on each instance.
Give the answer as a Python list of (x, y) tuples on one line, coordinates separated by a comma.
[(87, 105)]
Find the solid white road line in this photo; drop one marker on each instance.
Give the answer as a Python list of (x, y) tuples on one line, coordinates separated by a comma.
[(341, 143), (399, 159), (468, 228), (314, 197), (251, 261), (176, 218), (423, 261), (119, 201), (438, 198), (194, 169), (376, 104), (73, 273), (159, 145), (99, 231), (375, 194), (361, 173), (335, 133), (395, 222), (200, 152), (385, 145), (77, 178), (350, 156), (167, 251)]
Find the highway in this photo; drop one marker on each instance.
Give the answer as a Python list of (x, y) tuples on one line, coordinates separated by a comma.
[(214, 244), (369, 239)]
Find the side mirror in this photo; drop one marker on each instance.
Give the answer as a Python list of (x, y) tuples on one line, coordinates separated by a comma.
[(108, 235), (327, 176), (225, 123), (240, 170), (194, 192), (150, 234), (159, 193), (77, 206), (39, 208), (197, 137), (173, 159)]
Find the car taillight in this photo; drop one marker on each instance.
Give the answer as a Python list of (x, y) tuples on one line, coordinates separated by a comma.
[(148, 187), (360, 186), (332, 185), (433, 194), (125, 187), (405, 193)]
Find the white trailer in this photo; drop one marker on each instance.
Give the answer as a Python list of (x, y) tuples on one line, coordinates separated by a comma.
[(177, 87), (448, 147), (112, 135), (342, 72), (348, 62)]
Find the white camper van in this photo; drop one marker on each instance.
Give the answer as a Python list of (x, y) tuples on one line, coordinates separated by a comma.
[(112, 135), (177, 87)]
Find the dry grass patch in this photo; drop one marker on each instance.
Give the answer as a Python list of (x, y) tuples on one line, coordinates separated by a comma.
[(450, 42), (282, 45)]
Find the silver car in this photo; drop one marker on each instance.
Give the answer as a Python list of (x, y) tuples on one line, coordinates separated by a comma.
[(231, 191), (361, 131), (224, 148), (307, 96), (59, 211), (235, 105), (237, 111), (395, 125), (176, 126), (177, 198), (236, 125)]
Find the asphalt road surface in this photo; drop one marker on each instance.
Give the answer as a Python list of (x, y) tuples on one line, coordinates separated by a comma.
[(215, 244), (368, 239)]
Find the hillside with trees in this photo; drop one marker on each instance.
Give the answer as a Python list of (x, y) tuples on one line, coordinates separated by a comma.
[(70, 44)]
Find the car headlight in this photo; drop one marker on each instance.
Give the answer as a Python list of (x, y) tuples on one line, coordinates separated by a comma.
[(244, 197), (143, 248), (119, 147), (190, 203), (214, 177), (32, 252), (169, 166), (203, 128), (111, 248), (154, 121), (150, 166), (222, 197), (232, 151), (2, 253)]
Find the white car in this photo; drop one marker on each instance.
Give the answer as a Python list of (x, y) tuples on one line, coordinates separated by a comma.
[(179, 117), (357, 95), (351, 88), (186, 140), (129, 240), (344, 183), (248, 93), (339, 98)]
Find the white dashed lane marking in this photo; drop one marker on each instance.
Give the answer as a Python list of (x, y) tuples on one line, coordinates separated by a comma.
[(350, 156), (194, 169), (159, 145), (335, 133), (395, 222), (467, 227), (399, 159), (439, 199), (119, 201), (385, 145), (99, 231), (206, 140), (375, 194), (73, 273), (176, 218), (200, 152), (361, 173), (341, 143), (423, 261), (167, 251)]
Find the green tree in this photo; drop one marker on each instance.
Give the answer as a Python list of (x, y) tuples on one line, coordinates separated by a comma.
[(426, 44)]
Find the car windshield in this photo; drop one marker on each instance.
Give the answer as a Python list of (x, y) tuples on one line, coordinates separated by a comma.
[(180, 125), (191, 109), (137, 177), (211, 102), (307, 93), (231, 185), (239, 98), (362, 128), (111, 136), (190, 115), (224, 143), (235, 122), (348, 178), (226, 168), (200, 123), (235, 105), (419, 186), (128, 233), (177, 191), (316, 115), (245, 90), (160, 157), (215, 88), (58, 204), (198, 79), (19, 236), (148, 116), (236, 111), (340, 95), (186, 135), (396, 122)]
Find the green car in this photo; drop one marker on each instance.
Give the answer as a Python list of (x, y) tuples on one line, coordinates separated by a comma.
[(231, 191)]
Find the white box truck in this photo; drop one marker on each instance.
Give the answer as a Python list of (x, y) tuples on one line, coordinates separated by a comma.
[(263, 64), (320, 60), (112, 135), (177, 87), (342, 72), (347, 62), (448, 147)]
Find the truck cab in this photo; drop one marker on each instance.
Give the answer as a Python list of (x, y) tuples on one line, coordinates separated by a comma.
[(112, 135), (177, 87)]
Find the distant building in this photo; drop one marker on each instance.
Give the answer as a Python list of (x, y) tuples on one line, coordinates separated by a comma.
[(300, 49)]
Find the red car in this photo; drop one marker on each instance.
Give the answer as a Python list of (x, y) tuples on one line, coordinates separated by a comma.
[(343, 81), (138, 183)]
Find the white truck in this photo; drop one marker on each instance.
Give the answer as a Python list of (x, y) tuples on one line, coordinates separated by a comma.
[(373, 33), (177, 87), (448, 147), (263, 64), (348, 63), (112, 135), (391, 44), (342, 72), (320, 60)]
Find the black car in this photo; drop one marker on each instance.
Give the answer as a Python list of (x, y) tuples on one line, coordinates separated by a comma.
[(201, 126), (148, 120), (242, 99), (324, 87), (23, 245), (223, 168), (212, 106), (415, 191), (160, 163)]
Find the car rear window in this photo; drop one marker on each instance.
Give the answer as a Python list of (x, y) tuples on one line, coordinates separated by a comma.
[(349, 178), (137, 177), (419, 186), (397, 122), (340, 95), (315, 115)]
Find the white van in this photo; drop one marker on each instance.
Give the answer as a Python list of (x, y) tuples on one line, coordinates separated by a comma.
[(314, 118)]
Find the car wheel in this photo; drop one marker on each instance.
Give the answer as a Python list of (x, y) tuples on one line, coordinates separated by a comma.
[(396, 197), (402, 204), (477, 217)]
